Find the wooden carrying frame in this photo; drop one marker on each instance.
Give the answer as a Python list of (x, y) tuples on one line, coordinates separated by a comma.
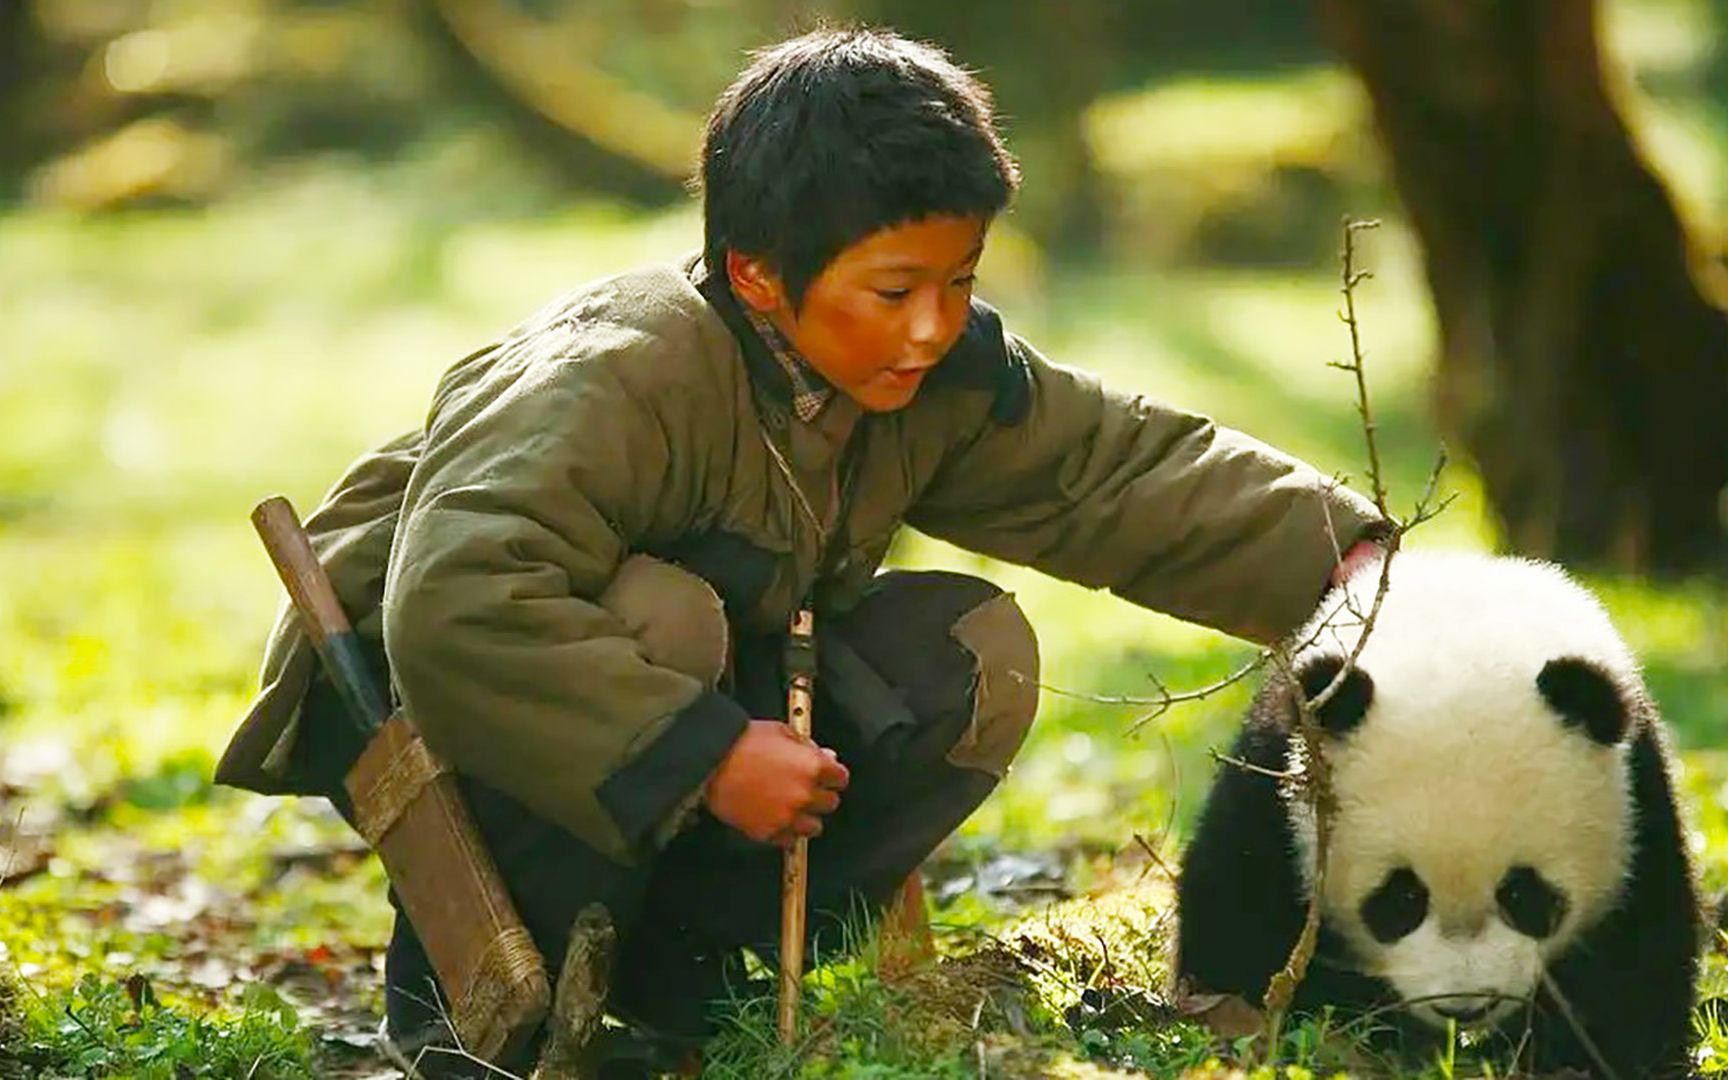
[(409, 809)]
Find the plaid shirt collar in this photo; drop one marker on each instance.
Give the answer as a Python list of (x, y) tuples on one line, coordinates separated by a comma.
[(811, 393)]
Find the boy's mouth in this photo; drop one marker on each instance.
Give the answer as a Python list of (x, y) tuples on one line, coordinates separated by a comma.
[(907, 376)]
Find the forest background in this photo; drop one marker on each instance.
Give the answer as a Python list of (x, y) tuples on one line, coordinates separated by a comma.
[(240, 239)]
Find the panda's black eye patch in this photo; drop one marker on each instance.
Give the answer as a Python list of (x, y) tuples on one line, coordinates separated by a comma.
[(1530, 905), (1397, 907)]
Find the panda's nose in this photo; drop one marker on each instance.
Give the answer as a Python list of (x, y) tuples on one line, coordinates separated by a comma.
[(1463, 925)]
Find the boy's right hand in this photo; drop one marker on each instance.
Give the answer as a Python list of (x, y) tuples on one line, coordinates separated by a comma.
[(773, 786)]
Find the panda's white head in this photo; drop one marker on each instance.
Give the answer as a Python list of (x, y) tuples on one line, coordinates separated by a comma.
[(1478, 757)]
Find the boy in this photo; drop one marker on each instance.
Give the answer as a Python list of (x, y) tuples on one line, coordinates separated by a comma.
[(581, 570)]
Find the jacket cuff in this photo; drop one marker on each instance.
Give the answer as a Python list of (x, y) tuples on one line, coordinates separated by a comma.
[(652, 794)]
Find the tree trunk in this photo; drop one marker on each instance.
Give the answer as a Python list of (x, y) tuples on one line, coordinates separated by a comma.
[(1582, 366)]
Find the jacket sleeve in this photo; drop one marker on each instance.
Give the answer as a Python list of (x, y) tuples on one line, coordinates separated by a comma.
[(525, 504), (1162, 507)]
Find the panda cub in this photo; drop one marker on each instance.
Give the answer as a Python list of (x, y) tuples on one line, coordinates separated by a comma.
[(1506, 852)]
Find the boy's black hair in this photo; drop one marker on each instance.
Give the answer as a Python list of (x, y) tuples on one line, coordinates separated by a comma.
[(828, 137)]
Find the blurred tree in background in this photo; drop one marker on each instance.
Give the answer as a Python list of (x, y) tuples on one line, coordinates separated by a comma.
[(117, 102), (1582, 358), (1585, 361)]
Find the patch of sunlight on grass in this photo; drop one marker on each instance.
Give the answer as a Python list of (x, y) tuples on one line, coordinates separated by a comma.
[(1680, 633), (1666, 619), (1204, 123), (1704, 790), (502, 266), (141, 642)]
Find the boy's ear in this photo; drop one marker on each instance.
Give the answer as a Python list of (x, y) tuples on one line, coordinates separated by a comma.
[(754, 282)]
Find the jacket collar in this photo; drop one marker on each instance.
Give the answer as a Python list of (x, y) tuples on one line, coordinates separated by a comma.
[(981, 359), (765, 371)]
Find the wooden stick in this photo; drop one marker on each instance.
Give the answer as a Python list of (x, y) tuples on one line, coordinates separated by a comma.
[(801, 669), (321, 613)]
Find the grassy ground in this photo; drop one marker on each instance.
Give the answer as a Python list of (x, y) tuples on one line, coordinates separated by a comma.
[(162, 372)]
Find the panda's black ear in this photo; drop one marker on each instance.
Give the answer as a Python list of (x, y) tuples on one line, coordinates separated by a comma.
[(1586, 697), (1344, 710)]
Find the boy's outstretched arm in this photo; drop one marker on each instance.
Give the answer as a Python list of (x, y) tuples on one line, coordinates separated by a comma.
[(1163, 507)]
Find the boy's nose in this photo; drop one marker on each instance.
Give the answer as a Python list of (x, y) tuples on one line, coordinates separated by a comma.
[(926, 327)]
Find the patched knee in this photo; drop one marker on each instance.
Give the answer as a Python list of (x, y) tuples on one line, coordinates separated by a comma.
[(1004, 652), (675, 616)]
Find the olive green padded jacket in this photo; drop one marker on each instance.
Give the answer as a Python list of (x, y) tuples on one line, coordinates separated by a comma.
[(640, 414)]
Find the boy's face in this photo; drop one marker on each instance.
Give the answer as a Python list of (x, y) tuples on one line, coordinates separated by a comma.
[(878, 317)]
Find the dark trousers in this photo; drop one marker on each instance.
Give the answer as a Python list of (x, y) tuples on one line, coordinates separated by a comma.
[(683, 916)]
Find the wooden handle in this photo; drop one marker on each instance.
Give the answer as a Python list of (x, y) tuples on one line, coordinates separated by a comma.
[(795, 875), (298, 567), (321, 613)]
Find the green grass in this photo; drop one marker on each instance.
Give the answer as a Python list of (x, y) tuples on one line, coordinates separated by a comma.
[(106, 1027), (163, 371)]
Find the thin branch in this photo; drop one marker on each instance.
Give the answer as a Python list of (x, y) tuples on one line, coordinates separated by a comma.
[(458, 1049), (1316, 777), (1572, 1021), (1159, 705), (1426, 509), (1157, 859), (1353, 278), (1249, 766), (1165, 697), (1488, 997), (1169, 700), (1331, 527)]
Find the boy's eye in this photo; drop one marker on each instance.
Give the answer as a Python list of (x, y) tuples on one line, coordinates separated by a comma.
[(965, 281), (893, 294)]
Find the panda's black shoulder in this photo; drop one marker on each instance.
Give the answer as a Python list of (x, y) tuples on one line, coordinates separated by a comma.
[(987, 358)]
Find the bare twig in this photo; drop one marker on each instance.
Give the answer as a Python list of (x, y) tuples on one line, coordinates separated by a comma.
[(1169, 700), (457, 1049), (1316, 786), (1577, 1026), (1331, 526), (1156, 859), (1353, 278), (1248, 766), (1166, 698), (1426, 509), (1487, 997), (1162, 701), (1259, 661), (1316, 776)]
